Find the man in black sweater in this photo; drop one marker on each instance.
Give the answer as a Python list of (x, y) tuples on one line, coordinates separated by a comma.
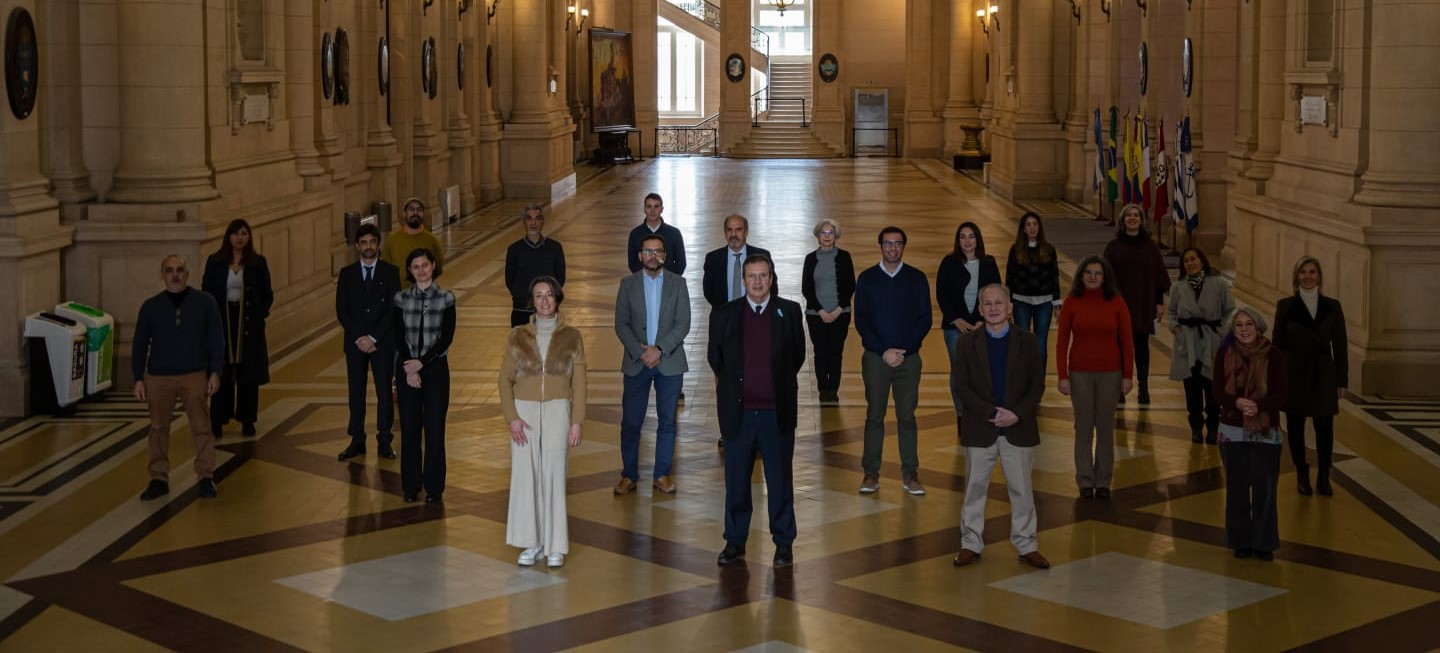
[(178, 353), (530, 257)]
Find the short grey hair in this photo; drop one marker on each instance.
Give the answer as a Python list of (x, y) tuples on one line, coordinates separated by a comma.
[(184, 261), (827, 221), (525, 213), (1260, 325), (993, 286)]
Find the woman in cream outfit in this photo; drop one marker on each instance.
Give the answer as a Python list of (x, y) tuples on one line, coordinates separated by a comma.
[(542, 396)]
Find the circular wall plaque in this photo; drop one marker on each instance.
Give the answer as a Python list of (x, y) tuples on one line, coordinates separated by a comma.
[(1144, 67), (342, 67), (735, 67), (22, 63), (1187, 66), (327, 65), (829, 68), (460, 66), (429, 81), (382, 65)]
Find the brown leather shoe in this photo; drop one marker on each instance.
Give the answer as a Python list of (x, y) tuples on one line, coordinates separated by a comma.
[(664, 484), (870, 484), (913, 487), (1034, 559), (624, 487), (965, 557)]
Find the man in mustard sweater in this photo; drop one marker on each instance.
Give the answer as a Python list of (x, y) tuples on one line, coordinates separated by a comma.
[(412, 236)]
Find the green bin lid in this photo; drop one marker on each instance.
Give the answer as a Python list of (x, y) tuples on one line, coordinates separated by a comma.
[(85, 310)]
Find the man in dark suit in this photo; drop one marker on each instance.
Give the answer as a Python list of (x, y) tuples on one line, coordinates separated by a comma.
[(363, 295), (757, 345), (722, 282), (999, 375)]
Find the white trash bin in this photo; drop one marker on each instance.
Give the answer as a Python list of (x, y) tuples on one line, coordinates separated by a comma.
[(99, 344), (57, 361)]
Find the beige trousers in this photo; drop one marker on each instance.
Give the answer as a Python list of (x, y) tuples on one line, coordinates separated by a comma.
[(537, 478), (1094, 396), (161, 393)]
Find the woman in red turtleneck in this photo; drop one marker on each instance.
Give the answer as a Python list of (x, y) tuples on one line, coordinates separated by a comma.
[(1095, 370)]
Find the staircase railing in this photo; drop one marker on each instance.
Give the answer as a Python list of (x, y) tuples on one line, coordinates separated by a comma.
[(705, 11), (690, 139), (755, 115), (759, 103), (760, 41)]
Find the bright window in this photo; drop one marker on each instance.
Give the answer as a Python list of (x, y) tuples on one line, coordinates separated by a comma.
[(679, 66)]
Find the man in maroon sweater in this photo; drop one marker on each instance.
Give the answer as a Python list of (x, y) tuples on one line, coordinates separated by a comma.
[(757, 345)]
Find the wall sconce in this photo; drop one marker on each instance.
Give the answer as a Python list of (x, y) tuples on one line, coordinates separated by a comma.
[(1105, 7), (982, 15), (464, 6), (490, 13), (570, 12), (1075, 10), (1142, 5), (580, 26)]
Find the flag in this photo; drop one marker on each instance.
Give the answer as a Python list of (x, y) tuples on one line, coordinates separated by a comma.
[(1112, 176), (1132, 158), (1127, 188), (1185, 187), (1143, 145), (1099, 175), (1162, 201)]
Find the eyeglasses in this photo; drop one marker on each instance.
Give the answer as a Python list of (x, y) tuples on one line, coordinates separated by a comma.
[(893, 243), (654, 252), (827, 232)]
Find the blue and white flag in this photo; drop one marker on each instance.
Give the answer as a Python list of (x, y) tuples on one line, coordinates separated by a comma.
[(1184, 201)]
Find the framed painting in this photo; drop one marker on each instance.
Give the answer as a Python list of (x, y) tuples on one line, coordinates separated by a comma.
[(612, 80)]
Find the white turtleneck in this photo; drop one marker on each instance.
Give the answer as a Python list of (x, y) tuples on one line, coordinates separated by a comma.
[(544, 328), (1311, 298)]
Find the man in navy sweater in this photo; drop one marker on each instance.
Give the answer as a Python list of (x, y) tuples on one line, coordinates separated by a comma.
[(529, 258), (178, 353), (892, 315)]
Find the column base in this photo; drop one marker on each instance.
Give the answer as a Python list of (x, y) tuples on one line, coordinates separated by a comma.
[(536, 160)]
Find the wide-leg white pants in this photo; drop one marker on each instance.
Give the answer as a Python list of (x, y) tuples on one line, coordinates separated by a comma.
[(537, 478)]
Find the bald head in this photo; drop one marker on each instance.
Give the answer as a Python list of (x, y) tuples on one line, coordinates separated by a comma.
[(175, 272)]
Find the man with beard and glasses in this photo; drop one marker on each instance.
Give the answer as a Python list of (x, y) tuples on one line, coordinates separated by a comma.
[(411, 237), (528, 259), (363, 300)]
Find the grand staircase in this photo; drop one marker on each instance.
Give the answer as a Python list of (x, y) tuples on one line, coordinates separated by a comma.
[(784, 131)]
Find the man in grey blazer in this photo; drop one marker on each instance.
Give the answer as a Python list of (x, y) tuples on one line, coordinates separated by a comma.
[(652, 318)]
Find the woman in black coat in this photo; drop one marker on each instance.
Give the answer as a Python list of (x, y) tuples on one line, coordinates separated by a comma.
[(828, 284), (239, 280), (963, 272), (1144, 281), (1310, 329)]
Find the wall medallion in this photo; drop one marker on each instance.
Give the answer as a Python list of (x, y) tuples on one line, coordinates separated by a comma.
[(1144, 67), (22, 63), (382, 65), (735, 67), (429, 78), (1187, 66), (327, 65), (342, 67), (829, 68)]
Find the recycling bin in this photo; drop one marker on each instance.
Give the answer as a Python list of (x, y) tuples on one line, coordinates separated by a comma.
[(99, 344), (57, 361)]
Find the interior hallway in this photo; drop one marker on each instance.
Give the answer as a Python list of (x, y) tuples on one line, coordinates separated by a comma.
[(302, 552)]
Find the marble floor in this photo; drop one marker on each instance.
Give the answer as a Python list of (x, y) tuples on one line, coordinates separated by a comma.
[(301, 552)]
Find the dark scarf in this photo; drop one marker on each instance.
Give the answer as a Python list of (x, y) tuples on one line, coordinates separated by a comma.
[(1247, 375), (1196, 283)]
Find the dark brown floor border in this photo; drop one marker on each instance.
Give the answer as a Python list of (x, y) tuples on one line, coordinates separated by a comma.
[(1412, 630)]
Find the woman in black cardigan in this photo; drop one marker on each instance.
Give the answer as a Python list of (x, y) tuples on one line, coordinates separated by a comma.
[(1310, 329), (828, 283), (1032, 273), (239, 280), (963, 272)]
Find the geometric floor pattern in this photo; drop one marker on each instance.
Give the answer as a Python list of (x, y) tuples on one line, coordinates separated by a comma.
[(303, 553)]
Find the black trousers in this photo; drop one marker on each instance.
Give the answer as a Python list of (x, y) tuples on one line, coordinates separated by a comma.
[(1251, 472), (380, 366), (829, 343), (520, 316), (422, 428), (235, 400), (760, 429), (1142, 359), (1200, 402), (1324, 440)]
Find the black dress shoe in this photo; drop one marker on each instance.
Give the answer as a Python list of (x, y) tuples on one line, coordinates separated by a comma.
[(1322, 485), (1087, 493), (351, 452), (207, 489), (1196, 436), (732, 554), (432, 498), (1244, 553), (1102, 493), (1144, 398), (387, 452), (155, 490), (247, 429), (1266, 556), (412, 497), (1302, 483), (784, 556)]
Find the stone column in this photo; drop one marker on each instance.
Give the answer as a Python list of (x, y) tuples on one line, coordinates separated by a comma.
[(487, 121), (643, 37), (461, 135), (735, 105), (1027, 145), (830, 97), (1079, 122), (923, 131), (1404, 142), (301, 62), (1270, 88), (960, 108), (534, 159), (162, 103), (382, 153), (59, 20), (1212, 107)]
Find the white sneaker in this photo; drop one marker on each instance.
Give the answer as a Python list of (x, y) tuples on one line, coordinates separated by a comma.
[(528, 556), (556, 560)]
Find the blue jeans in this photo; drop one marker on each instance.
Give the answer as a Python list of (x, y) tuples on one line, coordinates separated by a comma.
[(952, 337), (1037, 320), (633, 404)]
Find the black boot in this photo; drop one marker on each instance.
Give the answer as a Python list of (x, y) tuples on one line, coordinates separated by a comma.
[(1302, 481), (1322, 481), (1144, 397)]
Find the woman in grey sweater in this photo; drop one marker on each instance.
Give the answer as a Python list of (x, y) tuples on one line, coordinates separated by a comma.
[(1197, 311)]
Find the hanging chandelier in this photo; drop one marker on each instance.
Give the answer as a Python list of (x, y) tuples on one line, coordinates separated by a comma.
[(782, 5)]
